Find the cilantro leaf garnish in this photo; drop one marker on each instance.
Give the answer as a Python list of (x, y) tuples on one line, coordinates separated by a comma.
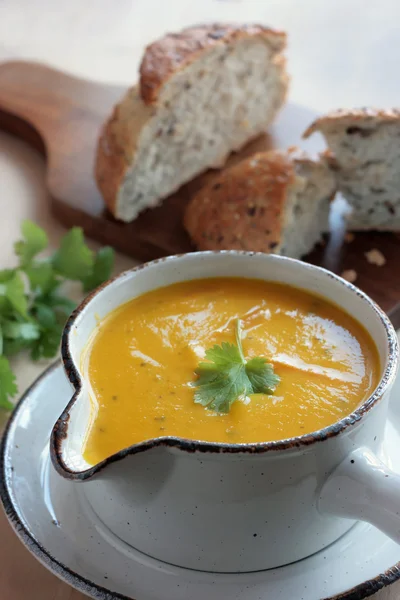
[(227, 376), (33, 309)]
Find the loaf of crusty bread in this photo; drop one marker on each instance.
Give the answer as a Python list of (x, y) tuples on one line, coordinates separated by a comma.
[(202, 94), (275, 202), (364, 154)]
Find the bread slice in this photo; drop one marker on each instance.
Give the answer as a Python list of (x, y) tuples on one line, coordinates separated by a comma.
[(365, 147), (202, 93), (275, 202)]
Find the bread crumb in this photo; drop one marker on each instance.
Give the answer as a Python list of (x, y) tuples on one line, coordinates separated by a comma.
[(375, 257), (349, 275), (349, 237)]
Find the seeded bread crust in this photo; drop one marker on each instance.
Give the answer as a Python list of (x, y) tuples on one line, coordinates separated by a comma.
[(120, 136), (231, 213), (259, 202), (175, 51), (350, 118), (117, 144)]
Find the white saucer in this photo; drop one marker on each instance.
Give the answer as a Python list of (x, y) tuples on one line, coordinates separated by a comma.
[(52, 518)]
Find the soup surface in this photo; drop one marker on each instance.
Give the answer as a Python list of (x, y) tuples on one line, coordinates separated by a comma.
[(141, 362)]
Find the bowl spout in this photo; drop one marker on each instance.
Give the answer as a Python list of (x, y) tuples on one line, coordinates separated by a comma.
[(67, 441)]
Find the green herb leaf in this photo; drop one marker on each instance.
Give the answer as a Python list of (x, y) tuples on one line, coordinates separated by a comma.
[(42, 277), (20, 334), (13, 347), (45, 315), (62, 306), (34, 241), (8, 385), (74, 260), (223, 356), (32, 309), (14, 330), (15, 294), (48, 343), (102, 268), (6, 275), (228, 377), (51, 328), (261, 375)]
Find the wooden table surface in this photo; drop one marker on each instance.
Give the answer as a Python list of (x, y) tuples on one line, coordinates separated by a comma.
[(341, 54)]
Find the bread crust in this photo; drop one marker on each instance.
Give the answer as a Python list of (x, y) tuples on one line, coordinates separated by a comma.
[(344, 117), (110, 162), (117, 145), (242, 207), (175, 51), (119, 137)]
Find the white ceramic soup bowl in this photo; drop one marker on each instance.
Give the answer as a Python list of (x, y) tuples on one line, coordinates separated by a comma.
[(234, 507)]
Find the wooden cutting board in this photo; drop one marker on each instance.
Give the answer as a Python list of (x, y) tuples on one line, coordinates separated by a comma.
[(61, 116)]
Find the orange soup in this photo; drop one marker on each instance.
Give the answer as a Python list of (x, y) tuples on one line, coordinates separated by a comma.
[(142, 359)]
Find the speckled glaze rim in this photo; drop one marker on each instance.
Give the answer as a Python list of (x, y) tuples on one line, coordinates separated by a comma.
[(60, 430), (359, 592)]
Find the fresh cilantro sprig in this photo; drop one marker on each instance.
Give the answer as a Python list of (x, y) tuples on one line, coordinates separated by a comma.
[(32, 308), (228, 376)]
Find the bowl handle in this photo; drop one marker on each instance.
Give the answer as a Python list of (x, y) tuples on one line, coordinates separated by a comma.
[(363, 488)]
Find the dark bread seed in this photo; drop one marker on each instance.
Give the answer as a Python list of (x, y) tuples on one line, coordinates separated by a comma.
[(390, 208), (251, 211), (370, 163), (216, 35), (359, 131), (298, 210)]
